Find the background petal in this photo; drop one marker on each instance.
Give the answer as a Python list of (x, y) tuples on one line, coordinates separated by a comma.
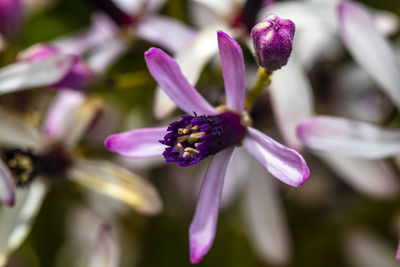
[(105, 248), (7, 188), (347, 137)]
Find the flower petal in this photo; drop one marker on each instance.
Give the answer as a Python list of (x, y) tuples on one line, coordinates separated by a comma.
[(7, 188), (233, 71), (347, 137), (65, 102), (292, 100), (138, 143), (266, 224), (158, 30), (282, 162), (369, 48), (15, 131), (29, 74), (168, 75), (203, 226), (375, 178), (16, 222), (77, 122), (105, 249), (117, 182), (367, 249), (191, 60)]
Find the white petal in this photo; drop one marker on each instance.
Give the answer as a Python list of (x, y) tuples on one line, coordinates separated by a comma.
[(371, 177), (7, 188), (223, 8), (15, 131), (117, 182), (16, 222), (266, 224), (292, 100), (29, 74), (365, 249), (105, 248)]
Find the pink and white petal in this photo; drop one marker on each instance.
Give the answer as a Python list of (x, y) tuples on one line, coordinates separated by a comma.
[(191, 60), (64, 103), (386, 22), (233, 71), (29, 74), (7, 188), (16, 222), (105, 248), (369, 48), (203, 226), (282, 162), (348, 137), (118, 183), (375, 178), (364, 248), (139, 143), (101, 29), (263, 213), (292, 100), (78, 120), (159, 29), (105, 54), (16, 131), (168, 75)]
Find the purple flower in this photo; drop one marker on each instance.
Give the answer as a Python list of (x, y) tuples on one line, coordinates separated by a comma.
[(272, 41), (284, 163), (10, 17), (76, 78)]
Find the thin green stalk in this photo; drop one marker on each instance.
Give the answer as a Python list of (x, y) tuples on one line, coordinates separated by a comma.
[(263, 80)]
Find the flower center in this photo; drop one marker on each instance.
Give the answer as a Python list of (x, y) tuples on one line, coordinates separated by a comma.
[(195, 137), (25, 165)]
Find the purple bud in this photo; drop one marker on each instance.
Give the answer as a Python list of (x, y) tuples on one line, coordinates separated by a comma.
[(272, 41), (10, 17), (76, 78)]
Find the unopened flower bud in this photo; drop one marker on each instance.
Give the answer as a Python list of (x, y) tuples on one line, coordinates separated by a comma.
[(76, 78), (10, 17), (272, 41)]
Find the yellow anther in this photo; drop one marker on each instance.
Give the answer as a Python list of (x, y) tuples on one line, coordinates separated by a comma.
[(186, 130), (194, 137), (180, 131), (186, 154), (195, 128), (179, 147), (196, 144), (191, 150), (181, 139)]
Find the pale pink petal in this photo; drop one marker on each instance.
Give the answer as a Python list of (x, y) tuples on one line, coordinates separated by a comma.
[(364, 248), (138, 143), (168, 75), (348, 137), (7, 188), (166, 32), (369, 48), (204, 223), (223, 8), (282, 162), (56, 116), (375, 178), (105, 248), (292, 100), (263, 213), (233, 71), (30, 74), (191, 60)]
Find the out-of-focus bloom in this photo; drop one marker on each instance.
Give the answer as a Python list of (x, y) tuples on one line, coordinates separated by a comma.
[(369, 48), (105, 249), (76, 78), (195, 137), (272, 41), (10, 17), (34, 159)]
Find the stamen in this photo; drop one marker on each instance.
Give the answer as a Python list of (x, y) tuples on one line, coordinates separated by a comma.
[(192, 150), (179, 147), (182, 139)]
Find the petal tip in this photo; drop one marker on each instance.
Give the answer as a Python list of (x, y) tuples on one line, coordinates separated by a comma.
[(108, 143), (196, 253)]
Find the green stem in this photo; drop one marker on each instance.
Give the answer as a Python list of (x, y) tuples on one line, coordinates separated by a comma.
[(263, 80)]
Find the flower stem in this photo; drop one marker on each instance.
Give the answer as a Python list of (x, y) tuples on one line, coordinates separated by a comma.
[(263, 80)]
